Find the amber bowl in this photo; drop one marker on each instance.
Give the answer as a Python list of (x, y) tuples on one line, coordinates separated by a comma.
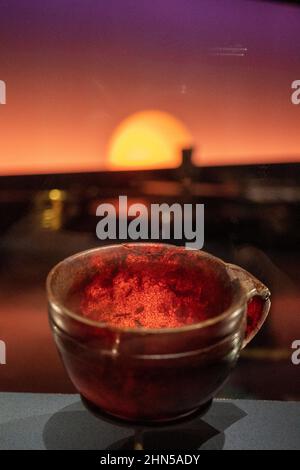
[(155, 375)]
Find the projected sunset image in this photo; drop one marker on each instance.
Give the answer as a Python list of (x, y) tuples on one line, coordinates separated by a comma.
[(149, 225), (116, 87), (148, 139)]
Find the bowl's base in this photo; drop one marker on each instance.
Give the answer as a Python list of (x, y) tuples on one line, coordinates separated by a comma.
[(149, 424)]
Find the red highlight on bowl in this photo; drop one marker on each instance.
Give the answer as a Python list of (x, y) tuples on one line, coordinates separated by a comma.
[(150, 332)]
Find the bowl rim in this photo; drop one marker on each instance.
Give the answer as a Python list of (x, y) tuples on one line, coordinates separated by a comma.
[(238, 303)]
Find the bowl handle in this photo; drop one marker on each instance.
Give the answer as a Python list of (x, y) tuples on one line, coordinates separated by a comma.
[(258, 300)]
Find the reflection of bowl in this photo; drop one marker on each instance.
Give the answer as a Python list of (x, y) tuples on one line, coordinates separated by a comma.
[(154, 374)]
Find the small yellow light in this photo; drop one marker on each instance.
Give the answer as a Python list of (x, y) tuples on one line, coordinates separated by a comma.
[(55, 195)]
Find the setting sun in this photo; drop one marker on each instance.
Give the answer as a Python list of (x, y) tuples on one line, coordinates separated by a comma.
[(148, 139)]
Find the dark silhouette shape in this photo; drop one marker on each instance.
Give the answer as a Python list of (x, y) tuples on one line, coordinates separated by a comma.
[(75, 428)]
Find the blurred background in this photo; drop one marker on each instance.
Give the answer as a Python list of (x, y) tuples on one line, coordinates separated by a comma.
[(174, 101)]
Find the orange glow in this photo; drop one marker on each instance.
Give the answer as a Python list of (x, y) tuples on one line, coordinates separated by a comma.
[(148, 139)]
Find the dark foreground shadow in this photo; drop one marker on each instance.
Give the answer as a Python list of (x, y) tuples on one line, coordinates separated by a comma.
[(75, 428)]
